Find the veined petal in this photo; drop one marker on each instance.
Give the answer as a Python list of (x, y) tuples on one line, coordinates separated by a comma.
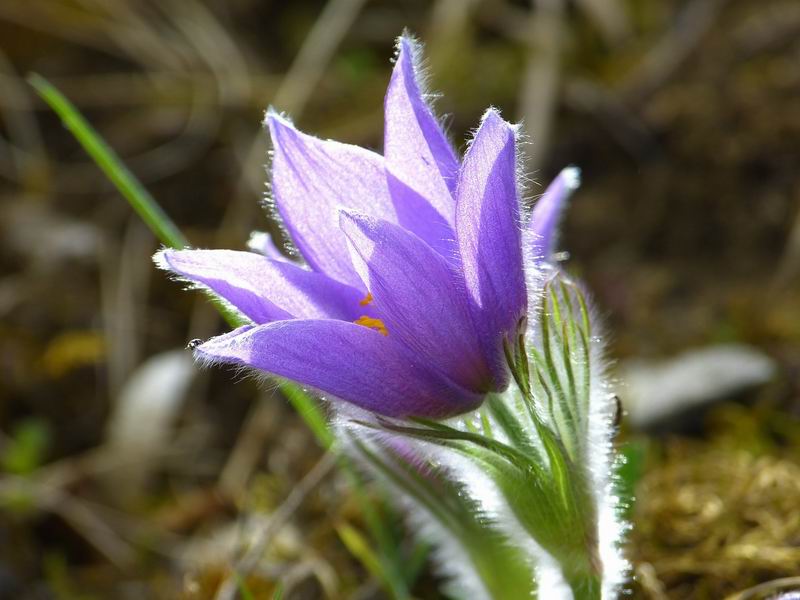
[(417, 152), (264, 290), (311, 180), (417, 215), (353, 363), (547, 213), (488, 233), (415, 295)]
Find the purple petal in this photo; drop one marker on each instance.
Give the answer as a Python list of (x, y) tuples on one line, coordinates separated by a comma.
[(262, 242), (265, 290), (415, 295), (311, 180), (416, 149), (417, 215), (488, 233), (345, 360), (548, 211)]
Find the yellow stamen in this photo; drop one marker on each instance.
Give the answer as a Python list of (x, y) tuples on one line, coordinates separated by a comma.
[(371, 323), (367, 300)]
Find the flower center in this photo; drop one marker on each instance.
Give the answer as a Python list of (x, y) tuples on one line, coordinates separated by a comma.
[(371, 322), (375, 324), (367, 300)]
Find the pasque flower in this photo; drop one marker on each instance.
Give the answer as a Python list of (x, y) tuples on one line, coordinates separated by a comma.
[(414, 270)]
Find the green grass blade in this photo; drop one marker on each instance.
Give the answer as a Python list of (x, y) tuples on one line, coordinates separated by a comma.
[(170, 235), (310, 412), (138, 197), (160, 224), (243, 588), (360, 548), (278, 594)]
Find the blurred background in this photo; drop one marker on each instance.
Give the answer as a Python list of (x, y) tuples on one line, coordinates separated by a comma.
[(126, 472)]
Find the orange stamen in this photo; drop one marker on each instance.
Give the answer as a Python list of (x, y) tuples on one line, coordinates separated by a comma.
[(371, 323), (367, 300)]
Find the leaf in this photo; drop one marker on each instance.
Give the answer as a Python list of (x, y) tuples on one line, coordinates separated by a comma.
[(502, 567)]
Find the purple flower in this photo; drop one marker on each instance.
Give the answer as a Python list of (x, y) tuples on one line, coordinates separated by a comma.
[(413, 274)]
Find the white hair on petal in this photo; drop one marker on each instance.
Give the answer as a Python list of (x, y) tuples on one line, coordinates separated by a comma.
[(603, 464), (161, 262), (422, 77), (268, 202), (451, 561)]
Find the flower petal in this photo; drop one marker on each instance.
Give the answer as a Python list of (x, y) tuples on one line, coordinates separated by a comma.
[(417, 152), (547, 213), (264, 290), (348, 361), (262, 243), (417, 215), (311, 180), (415, 295), (488, 233)]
